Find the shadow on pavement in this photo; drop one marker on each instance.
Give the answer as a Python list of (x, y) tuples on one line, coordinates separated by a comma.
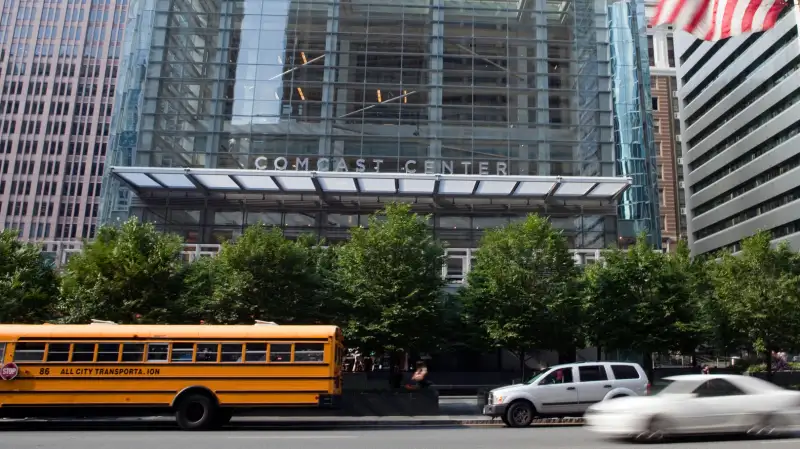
[(166, 426), (714, 439), (255, 425)]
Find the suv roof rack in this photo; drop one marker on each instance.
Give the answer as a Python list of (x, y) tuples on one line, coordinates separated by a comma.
[(102, 322)]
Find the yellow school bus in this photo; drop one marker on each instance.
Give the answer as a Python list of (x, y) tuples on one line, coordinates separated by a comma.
[(203, 373)]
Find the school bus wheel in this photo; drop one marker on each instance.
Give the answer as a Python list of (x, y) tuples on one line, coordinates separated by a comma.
[(196, 411)]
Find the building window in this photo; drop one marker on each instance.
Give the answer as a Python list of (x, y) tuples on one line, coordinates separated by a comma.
[(661, 197), (654, 101), (651, 54), (670, 52)]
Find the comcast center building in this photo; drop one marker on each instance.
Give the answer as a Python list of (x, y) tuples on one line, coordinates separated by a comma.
[(312, 114)]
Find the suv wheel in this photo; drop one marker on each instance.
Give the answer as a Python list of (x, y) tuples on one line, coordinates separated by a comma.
[(520, 414)]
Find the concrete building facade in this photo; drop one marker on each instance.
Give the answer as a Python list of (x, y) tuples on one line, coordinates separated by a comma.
[(739, 124), (59, 62)]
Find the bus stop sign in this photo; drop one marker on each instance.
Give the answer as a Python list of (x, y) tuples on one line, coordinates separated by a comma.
[(9, 371)]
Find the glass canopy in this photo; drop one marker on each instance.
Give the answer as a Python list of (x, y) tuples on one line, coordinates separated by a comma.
[(210, 181)]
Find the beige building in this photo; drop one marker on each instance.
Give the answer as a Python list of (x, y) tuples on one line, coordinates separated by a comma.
[(666, 127), (58, 69)]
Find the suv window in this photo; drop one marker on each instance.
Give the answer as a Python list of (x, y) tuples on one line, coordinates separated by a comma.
[(592, 373), (624, 372), (559, 376), (717, 387)]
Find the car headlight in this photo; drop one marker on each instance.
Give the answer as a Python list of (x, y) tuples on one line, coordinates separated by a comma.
[(498, 400)]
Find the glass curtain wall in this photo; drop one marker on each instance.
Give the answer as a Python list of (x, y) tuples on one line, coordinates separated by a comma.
[(633, 121), (215, 225), (480, 87), (497, 87)]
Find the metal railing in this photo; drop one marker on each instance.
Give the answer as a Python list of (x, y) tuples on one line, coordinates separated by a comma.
[(458, 260)]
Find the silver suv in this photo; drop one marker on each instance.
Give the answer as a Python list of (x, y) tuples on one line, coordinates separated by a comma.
[(566, 390)]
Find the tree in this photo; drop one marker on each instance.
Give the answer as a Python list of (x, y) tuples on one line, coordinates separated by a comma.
[(130, 273), (522, 289), (28, 284), (206, 284), (696, 326), (263, 276), (390, 277), (759, 292), (643, 300)]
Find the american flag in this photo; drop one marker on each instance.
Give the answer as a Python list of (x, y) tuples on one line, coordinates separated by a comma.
[(713, 20)]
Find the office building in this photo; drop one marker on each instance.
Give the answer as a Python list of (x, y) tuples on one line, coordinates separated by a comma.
[(58, 65), (739, 123), (634, 142), (312, 114), (666, 131)]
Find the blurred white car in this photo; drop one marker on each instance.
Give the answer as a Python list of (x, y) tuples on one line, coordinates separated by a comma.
[(699, 404)]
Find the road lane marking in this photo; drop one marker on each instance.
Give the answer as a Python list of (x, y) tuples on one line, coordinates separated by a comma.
[(292, 437)]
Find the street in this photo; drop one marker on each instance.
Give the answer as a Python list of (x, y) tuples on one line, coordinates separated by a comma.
[(422, 438)]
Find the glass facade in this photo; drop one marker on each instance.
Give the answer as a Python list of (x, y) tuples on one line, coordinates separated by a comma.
[(633, 120), (443, 86)]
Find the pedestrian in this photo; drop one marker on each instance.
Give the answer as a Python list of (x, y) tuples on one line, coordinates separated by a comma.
[(420, 377), (706, 369)]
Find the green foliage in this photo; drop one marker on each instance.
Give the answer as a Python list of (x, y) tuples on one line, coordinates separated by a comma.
[(644, 300), (128, 273), (385, 288), (757, 293), (263, 276), (522, 289), (28, 285), (762, 367), (390, 278)]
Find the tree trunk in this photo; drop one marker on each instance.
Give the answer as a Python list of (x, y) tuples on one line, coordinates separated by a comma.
[(568, 355), (599, 353), (522, 365), (769, 364), (396, 373), (647, 362)]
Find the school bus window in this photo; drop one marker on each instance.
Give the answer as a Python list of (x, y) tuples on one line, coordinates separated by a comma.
[(255, 353), (133, 352), (280, 353), (182, 352), (108, 352), (83, 352), (2, 352), (231, 353), (309, 352), (157, 352), (29, 352), (207, 352), (57, 352)]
